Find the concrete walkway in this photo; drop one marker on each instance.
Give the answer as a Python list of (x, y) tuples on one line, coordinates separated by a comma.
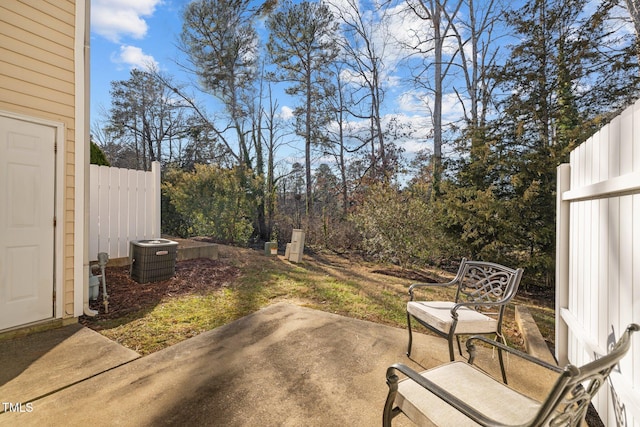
[(36, 365), (284, 365)]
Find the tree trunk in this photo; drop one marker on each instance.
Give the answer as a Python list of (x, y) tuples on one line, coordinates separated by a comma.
[(307, 148), (437, 108)]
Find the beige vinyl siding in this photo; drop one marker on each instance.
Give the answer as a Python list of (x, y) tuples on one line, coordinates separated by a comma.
[(47, 53), (37, 63), (26, 69), (37, 79), (10, 100), (58, 16)]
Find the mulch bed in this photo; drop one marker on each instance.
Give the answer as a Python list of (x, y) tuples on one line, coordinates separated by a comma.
[(194, 276)]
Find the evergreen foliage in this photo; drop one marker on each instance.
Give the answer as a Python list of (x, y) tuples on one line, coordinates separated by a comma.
[(500, 199), (210, 201), (397, 225), (97, 156)]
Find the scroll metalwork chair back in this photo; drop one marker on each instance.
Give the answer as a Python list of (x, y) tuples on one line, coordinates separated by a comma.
[(576, 387), (436, 396), (483, 290)]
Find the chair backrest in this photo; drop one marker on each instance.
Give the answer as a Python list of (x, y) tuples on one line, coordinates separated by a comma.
[(482, 282), (569, 399)]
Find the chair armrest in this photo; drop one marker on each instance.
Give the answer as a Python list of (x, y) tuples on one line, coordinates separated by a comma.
[(450, 399), (477, 303), (425, 285), (471, 348)]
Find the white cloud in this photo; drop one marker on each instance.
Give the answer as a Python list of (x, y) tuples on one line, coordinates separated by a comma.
[(414, 101), (134, 57), (286, 113), (114, 19)]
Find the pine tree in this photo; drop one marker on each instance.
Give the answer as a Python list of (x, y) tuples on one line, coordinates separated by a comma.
[(560, 77), (220, 41), (559, 80), (301, 45), (143, 116)]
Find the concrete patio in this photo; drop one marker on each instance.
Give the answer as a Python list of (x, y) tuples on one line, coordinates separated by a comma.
[(284, 365)]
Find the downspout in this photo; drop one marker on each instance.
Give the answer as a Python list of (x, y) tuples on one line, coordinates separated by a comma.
[(85, 144)]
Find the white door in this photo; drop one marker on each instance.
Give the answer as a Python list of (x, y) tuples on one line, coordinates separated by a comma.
[(27, 206)]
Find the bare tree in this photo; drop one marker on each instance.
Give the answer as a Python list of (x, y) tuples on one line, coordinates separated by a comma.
[(430, 45), (271, 138), (633, 6), (336, 132), (478, 52), (119, 152), (364, 42)]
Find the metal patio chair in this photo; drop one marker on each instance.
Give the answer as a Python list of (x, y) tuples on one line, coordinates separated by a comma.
[(460, 394), (483, 291)]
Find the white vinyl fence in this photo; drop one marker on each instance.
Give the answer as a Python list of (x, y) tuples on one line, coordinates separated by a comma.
[(124, 205), (598, 259)]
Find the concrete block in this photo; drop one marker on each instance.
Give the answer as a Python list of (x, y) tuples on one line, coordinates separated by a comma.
[(203, 251), (270, 248), (297, 245)]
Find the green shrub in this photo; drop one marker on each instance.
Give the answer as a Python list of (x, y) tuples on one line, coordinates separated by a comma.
[(210, 201), (398, 226)]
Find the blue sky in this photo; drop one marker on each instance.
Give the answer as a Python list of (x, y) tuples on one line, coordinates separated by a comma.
[(133, 33), (127, 34)]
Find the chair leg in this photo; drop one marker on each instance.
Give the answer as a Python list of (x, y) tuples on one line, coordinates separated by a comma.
[(386, 416), (389, 413), (451, 356), (501, 357), (410, 335)]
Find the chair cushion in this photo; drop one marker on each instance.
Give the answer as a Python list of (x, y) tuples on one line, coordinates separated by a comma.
[(472, 386), (438, 315)]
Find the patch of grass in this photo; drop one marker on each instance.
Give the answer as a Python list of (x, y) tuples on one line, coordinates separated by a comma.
[(330, 284)]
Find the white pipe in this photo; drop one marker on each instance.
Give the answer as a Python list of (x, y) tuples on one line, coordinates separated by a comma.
[(87, 310), (103, 258), (82, 147)]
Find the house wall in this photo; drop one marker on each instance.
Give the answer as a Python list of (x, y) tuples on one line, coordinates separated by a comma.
[(38, 79)]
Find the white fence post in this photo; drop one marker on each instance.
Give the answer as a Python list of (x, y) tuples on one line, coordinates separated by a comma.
[(562, 261), (155, 193)]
